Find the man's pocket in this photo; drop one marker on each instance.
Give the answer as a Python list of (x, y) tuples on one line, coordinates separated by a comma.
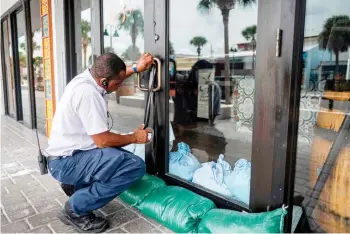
[(62, 169)]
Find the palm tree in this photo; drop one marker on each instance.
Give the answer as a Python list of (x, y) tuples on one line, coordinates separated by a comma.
[(23, 46), (23, 54), (108, 49), (128, 53), (132, 21), (249, 33), (171, 48), (335, 36), (22, 59), (85, 39), (225, 7), (38, 60), (198, 42)]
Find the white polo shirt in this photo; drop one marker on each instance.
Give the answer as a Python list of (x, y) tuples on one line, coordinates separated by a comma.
[(81, 112)]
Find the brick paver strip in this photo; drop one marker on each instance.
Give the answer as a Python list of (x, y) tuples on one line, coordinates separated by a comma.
[(153, 222), (112, 207), (43, 229), (121, 217), (156, 230), (10, 199), (60, 227), (117, 230), (46, 205), (139, 226), (43, 218), (4, 220), (17, 227), (6, 182), (19, 211), (165, 230)]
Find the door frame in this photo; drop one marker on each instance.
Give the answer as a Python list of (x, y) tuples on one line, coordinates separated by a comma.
[(4, 68), (10, 14), (15, 62), (276, 104)]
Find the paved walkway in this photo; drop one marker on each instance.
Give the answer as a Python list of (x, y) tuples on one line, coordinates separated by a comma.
[(30, 202)]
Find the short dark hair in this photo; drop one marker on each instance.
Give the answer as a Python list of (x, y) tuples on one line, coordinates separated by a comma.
[(107, 65)]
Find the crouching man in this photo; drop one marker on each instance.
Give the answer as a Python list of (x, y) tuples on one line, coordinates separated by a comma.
[(82, 151)]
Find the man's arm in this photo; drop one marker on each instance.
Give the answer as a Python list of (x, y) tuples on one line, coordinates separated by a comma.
[(129, 71), (110, 139), (144, 63)]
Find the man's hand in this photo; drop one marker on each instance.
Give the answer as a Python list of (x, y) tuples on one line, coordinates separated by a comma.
[(145, 62), (141, 135)]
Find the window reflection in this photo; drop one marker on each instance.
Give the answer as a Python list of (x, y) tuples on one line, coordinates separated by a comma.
[(212, 85), (22, 53), (38, 66), (85, 26), (123, 35), (323, 158), (8, 65)]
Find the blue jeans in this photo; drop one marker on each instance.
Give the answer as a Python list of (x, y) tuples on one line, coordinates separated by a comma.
[(99, 174)]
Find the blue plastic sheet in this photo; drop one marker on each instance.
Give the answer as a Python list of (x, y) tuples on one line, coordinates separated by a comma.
[(139, 149), (211, 176), (182, 163), (238, 181)]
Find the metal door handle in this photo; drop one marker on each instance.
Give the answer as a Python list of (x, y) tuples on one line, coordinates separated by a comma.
[(158, 68)]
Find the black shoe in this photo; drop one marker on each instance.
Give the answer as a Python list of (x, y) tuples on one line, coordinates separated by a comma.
[(68, 189), (87, 223)]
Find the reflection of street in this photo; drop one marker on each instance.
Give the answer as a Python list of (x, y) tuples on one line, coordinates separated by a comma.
[(126, 119), (40, 109)]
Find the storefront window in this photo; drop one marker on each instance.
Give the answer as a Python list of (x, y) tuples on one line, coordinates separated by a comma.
[(123, 35), (212, 94), (323, 157), (86, 33), (38, 65), (8, 67), (83, 45), (22, 53)]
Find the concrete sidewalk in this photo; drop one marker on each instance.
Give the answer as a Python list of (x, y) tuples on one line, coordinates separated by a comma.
[(30, 202)]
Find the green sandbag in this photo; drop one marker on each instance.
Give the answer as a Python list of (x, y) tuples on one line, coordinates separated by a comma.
[(176, 208), (229, 221), (137, 193)]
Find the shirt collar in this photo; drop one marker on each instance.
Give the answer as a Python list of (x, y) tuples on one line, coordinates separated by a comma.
[(88, 75)]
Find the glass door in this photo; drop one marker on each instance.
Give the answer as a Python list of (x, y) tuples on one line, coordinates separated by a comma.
[(122, 30), (8, 61), (211, 96), (205, 111), (323, 147), (83, 35), (20, 68), (222, 125)]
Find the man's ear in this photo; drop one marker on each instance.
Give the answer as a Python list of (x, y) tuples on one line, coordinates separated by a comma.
[(104, 82)]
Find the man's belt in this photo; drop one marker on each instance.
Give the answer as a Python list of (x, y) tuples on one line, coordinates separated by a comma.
[(51, 158)]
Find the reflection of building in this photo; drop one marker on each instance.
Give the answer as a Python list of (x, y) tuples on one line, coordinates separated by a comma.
[(320, 64), (245, 46)]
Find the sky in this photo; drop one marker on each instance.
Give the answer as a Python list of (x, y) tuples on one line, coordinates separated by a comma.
[(186, 22), (317, 11)]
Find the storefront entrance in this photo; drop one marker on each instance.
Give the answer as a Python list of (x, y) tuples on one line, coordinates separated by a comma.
[(244, 90), (253, 106), (223, 116)]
